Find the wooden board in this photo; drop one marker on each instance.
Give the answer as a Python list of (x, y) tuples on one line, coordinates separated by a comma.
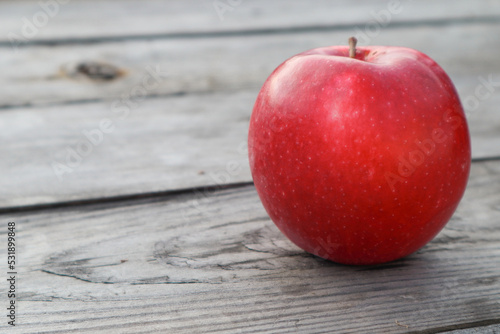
[(193, 124), (477, 330), (164, 144), (95, 20), (158, 228), (214, 262), (41, 75)]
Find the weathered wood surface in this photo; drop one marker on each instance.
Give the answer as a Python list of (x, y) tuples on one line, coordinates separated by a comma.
[(194, 122), (493, 329), (130, 241), (214, 262), (49, 74), (69, 22), (165, 144)]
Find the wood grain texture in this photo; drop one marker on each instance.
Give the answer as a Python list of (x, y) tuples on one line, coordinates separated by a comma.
[(191, 129), (42, 75), (163, 144), (158, 228), (80, 20), (493, 329), (214, 262)]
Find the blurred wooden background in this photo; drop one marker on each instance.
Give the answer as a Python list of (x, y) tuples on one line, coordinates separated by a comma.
[(123, 131)]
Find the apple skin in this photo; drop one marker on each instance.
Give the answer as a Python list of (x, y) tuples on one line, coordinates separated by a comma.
[(359, 160)]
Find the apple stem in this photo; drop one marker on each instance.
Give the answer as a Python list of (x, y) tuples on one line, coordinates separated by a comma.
[(352, 47)]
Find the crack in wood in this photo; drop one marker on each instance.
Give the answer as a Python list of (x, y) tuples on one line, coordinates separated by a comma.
[(147, 281), (124, 200), (248, 32), (467, 325)]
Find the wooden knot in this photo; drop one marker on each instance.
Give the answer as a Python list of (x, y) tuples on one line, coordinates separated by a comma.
[(94, 70)]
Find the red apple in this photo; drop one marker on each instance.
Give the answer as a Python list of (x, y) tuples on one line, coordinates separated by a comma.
[(359, 155)]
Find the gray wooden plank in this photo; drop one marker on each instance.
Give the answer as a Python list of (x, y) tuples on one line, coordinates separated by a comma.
[(214, 262), (188, 138), (493, 329), (95, 19), (48, 75), (57, 154)]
